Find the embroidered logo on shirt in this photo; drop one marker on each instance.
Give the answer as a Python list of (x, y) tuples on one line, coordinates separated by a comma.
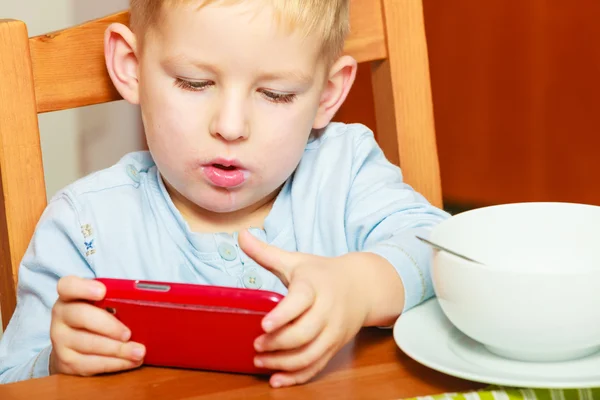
[(86, 230), (89, 247)]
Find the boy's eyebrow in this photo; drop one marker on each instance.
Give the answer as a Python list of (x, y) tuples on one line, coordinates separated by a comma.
[(182, 60), (298, 76)]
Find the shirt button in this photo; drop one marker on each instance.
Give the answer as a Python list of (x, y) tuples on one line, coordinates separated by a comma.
[(252, 280), (133, 173), (227, 252)]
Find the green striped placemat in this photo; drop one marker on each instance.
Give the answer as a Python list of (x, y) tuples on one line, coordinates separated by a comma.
[(502, 393)]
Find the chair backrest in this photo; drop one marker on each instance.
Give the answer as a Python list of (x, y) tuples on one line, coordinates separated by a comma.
[(66, 69)]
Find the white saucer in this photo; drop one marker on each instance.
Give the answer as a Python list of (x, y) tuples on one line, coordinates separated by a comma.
[(427, 336)]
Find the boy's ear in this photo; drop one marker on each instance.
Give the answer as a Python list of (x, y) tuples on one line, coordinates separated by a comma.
[(341, 78), (120, 47)]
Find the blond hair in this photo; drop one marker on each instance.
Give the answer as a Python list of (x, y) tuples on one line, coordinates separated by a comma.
[(329, 19)]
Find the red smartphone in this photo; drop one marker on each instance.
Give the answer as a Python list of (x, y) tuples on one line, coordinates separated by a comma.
[(191, 326)]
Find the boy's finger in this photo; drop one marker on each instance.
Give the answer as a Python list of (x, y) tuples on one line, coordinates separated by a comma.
[(267, 256), (73, 288), (91, 344), (89, 365), (297, 334), (95, 320), (284, 379), (299, 299), (296, 359)]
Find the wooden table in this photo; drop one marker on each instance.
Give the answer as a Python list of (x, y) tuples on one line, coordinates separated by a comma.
[(371, 367)]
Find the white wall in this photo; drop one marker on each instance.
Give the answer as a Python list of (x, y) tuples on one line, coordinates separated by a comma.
[(108, 131), (77, 142)]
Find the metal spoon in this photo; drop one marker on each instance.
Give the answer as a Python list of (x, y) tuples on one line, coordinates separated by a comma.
[(438, 247)]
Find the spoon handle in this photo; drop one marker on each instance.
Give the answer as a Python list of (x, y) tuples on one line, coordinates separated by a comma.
[(437, 246)]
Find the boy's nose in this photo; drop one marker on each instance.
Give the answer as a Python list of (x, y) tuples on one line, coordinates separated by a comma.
[(230, 122)]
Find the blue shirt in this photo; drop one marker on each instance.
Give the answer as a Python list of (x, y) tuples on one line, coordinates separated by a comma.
[(344, 196)]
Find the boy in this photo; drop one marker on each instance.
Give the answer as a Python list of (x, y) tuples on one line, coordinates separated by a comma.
[(247, 183)]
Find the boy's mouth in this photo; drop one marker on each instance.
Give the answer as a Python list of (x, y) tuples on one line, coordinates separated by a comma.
[(224, 173), (225, 164), (225, 167)]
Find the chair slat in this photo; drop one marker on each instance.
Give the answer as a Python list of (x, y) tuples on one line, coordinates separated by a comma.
[(23, 194), (403, 100), (69, 68)]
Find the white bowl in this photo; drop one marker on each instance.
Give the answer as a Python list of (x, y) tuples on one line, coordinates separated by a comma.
[(537, 298)]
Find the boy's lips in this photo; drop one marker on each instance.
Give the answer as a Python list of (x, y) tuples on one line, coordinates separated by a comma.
[(225, 173)]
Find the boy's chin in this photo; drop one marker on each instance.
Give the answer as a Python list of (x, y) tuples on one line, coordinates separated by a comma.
[(224, 202)]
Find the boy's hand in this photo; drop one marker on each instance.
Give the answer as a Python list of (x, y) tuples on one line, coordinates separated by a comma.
[(87, 340), (324, 309)]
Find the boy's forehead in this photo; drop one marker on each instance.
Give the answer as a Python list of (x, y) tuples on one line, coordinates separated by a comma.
[(325, 23), (288, 18), (252, 16), (238, 27)]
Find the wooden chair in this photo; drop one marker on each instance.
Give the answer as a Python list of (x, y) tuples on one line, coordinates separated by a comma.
[(66, 69)]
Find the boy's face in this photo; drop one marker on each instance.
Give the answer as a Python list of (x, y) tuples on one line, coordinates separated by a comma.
[(229, 100)]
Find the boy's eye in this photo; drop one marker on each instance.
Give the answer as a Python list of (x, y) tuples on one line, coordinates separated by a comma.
[(197, 86), (192, 85), (278, 97)]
